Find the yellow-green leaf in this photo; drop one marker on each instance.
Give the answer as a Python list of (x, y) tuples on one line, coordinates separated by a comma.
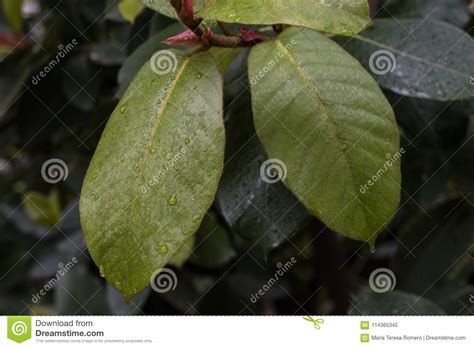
[(12, 11), (345, 17), (130, 9), (329, 131), (164, 7), (43, 209), (156, 169)]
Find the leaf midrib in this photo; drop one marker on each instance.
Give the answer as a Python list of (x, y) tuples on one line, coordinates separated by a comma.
[(325, 112)]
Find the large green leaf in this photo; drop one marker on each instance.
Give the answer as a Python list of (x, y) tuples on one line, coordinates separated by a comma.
[(164, 7), (156, 169), (223, 56), (317, 110), (345, 17), (419, 58)]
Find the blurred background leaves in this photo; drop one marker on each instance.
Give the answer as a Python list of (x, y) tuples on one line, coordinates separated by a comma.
[(253, 228)]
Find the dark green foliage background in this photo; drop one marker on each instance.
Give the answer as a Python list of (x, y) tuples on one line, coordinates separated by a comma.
[(63, 116)]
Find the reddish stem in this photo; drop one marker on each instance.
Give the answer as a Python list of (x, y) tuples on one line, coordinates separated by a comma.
[(185, 11)]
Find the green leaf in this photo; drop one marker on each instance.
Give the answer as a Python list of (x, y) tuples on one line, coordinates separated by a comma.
[(224, 56), (156, 169), (12, 11), (419, 58), (130, 9), (164, 7), (347, 17), (43, 209), (323, 119)]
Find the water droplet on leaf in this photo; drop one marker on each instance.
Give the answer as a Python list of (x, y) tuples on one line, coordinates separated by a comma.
[(173, 200), (164, 249)]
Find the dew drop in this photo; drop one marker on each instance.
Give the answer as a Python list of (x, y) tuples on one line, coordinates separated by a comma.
[(187, 141), (101, 270), (123, 108), (153, 150), (164, 249), (164, 153), (173, 200), (196, 218)]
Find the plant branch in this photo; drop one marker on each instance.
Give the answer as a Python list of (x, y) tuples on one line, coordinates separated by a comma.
[(186, 14), (224, 28)]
